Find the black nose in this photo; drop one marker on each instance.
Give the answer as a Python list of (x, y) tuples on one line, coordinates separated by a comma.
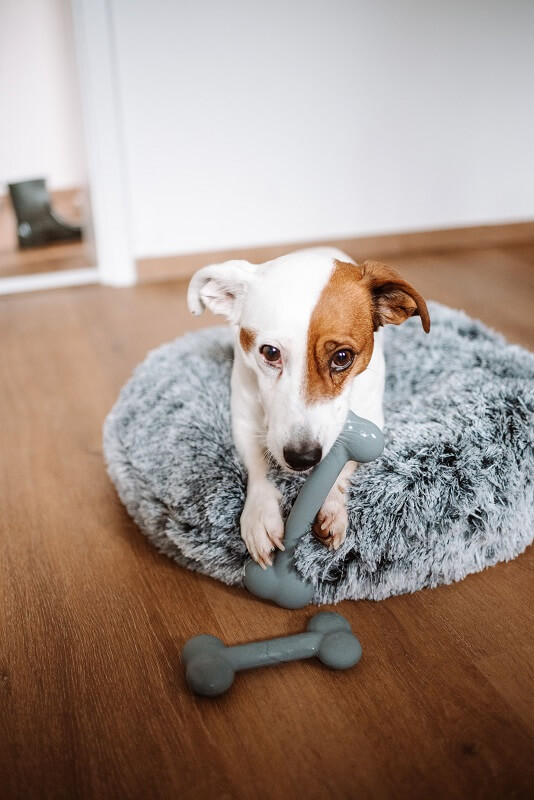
[(304, 457)]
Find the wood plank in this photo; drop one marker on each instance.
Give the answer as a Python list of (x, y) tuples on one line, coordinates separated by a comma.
[(513, 684), (380, 246), (492, 285)]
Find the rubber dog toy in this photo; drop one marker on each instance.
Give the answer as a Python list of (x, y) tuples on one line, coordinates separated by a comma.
[(210, 665), (359, 440)]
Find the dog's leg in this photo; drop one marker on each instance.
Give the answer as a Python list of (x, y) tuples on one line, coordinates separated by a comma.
[(262, 526), (331, 522)]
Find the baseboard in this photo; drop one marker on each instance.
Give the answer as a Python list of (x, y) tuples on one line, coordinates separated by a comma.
[(360, 248)]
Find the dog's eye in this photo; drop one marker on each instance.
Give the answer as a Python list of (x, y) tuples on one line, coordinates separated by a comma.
[(270, 354), (341, 360)]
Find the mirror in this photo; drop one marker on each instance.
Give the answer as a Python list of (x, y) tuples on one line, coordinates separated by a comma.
[(44, 210)]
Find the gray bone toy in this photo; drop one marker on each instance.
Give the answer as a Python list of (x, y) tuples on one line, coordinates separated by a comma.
[(359, 440), (210, 665)]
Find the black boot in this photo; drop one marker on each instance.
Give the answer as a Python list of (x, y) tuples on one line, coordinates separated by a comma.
[(36, 222)]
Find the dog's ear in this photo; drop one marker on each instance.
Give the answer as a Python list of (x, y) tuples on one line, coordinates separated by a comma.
[(393, 298), (221, 288)]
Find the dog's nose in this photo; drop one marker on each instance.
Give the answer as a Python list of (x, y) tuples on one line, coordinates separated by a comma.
[(303, 458)]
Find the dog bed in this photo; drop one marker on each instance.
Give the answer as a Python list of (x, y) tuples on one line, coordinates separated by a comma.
[(451, 495)]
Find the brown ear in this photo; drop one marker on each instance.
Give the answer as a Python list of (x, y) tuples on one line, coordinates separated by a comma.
[(394, 300)]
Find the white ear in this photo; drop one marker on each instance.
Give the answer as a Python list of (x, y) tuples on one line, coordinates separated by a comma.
[(221, 288)]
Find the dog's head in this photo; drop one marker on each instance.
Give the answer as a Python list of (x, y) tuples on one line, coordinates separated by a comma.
[(305, 325)]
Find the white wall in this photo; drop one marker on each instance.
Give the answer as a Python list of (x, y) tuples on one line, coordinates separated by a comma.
[(40, 117), (255, 122)]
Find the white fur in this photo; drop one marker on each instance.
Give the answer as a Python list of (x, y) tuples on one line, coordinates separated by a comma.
[(269, 412)]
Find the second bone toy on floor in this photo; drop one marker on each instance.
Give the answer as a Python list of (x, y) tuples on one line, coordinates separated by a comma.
[(210, 665)]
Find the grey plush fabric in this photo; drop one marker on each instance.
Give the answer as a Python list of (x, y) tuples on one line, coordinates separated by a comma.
[(452, 493)]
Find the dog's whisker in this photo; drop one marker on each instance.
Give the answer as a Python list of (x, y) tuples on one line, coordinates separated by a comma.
[(380, 373), (260, 438)]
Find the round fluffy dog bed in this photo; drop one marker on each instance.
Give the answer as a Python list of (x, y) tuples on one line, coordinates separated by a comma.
[(452, 494)]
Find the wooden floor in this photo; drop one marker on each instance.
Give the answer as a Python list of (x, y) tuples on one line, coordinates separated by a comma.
[(93, 702)]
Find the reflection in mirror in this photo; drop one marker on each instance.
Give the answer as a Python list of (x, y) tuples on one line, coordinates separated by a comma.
[(43, 197)]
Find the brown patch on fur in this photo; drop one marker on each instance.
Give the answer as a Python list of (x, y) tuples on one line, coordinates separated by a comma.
[(342, 318), (247, 338), (355, 302)]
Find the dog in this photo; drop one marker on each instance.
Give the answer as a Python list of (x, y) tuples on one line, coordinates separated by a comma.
[(308, 347)]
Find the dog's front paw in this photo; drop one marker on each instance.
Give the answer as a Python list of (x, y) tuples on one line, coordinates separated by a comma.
[(262, 526), (331, 523)]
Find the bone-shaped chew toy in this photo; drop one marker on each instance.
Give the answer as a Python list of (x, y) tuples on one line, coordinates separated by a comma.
[(359, 440), (210, 665)]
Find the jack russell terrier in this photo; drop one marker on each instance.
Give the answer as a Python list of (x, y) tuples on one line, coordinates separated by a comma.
[(308, 347)]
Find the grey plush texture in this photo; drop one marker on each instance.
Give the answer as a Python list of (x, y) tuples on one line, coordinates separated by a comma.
[(452, 493)]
